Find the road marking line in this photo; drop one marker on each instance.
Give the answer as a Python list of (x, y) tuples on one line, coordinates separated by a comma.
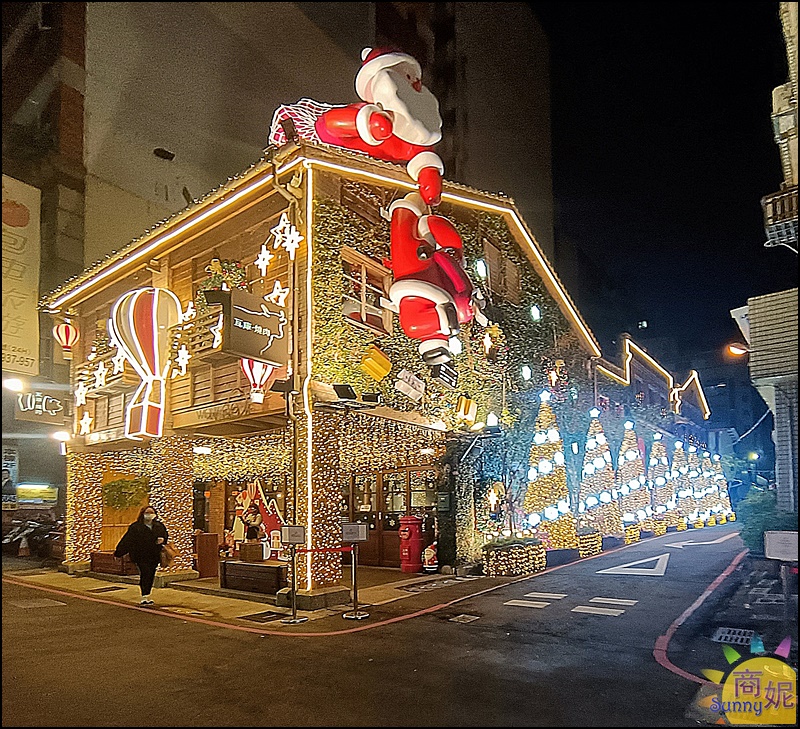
[(546, 595), (527, 603), (630, 568), (596, 610), (613, 601)]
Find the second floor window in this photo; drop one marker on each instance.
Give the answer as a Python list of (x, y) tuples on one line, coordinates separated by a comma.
[(365, 283), (503, 273)]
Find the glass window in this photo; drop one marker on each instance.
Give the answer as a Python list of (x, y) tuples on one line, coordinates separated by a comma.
[(364, 286), (394, 486)]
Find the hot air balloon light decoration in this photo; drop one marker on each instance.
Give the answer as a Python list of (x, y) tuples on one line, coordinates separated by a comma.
[(67, 335), (140, 322), (257, 374)]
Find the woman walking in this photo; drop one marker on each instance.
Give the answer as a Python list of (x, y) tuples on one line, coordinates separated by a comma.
[(143, 541)]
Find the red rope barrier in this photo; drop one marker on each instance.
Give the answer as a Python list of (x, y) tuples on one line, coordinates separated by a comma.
[(327, 549)]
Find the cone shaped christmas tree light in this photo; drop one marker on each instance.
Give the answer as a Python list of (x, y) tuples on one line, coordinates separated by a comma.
[(695, 484), (660, 477), (597, 507), (547, 497), (683, 488), (722, 483), (634, 498)]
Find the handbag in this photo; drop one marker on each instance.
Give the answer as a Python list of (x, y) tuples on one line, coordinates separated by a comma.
[(168, 555)]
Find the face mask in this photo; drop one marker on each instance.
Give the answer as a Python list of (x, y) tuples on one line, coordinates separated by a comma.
[(149, 517)]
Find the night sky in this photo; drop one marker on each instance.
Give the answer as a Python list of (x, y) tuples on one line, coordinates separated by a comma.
[(662, 151)]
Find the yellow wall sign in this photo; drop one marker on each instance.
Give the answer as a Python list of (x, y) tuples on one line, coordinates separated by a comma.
[(36, 494)]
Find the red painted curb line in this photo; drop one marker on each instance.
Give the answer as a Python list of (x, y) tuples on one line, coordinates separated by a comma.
[(662, 643)]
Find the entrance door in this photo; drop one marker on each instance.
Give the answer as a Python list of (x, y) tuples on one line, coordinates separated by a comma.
[(379, 500)]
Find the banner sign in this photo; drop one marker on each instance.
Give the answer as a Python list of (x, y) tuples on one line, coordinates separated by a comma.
[(253, 328), (21, 243)]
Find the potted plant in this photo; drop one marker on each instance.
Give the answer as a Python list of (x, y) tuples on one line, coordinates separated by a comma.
[(512, 556), (590, 541)]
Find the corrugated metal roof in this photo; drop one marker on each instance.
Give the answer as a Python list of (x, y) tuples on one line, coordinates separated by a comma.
[(773, 334)]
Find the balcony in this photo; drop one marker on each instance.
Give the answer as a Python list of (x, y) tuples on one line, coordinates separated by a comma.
[(780, 218)]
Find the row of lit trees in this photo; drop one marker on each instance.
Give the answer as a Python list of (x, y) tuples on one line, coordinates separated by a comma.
[(692, 487)]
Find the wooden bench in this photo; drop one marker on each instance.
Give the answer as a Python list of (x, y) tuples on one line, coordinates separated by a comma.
[(107, 563), (264, 577)]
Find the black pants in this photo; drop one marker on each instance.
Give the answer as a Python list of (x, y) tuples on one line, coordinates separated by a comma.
[(147, 574)]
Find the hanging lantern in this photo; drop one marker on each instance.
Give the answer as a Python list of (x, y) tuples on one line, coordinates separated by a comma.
[(375, 363), (141, 321), (67, 335), (257, 374)]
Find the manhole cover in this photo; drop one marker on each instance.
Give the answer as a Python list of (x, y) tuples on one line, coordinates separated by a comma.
[(105, 589), (44, 602), (736, 636), (464, 618), (264, 617)]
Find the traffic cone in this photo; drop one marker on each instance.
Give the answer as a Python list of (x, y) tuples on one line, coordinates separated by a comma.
[(24, 549)]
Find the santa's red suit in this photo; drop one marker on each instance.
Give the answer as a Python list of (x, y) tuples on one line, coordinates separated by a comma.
[(397, 121), (431, 291)]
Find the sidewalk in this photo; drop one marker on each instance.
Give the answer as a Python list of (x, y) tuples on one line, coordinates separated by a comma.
[(203, 598), (748, 614)]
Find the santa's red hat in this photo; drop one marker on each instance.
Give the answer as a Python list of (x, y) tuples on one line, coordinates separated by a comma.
[(376, 60)]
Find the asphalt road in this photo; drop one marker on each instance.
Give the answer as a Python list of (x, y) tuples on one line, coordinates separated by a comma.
[(552, 660)]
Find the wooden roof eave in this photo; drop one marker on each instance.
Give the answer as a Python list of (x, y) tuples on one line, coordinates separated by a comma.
[(169, 234)]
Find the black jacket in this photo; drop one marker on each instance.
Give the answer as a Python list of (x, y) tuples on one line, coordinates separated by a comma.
[(140, 541)]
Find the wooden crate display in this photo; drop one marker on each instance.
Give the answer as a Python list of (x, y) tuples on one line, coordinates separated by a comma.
[(107, 563), (264, 577)]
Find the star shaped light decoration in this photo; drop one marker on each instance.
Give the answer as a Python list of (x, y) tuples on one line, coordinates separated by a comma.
[(119, 362), (264, 259), (216, 330), (100, 375), (86, 423), (80, 393), (182, 360), (278, 295), (286, 236)]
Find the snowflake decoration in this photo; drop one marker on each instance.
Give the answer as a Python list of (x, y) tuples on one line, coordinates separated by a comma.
[(278, 295), (263, 260), (286, 236), (182, 360)]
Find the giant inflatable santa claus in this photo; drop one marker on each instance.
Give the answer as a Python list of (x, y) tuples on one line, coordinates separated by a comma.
[(398, 120)]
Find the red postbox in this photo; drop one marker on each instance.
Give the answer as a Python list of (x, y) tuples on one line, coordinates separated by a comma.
[(411, 544)]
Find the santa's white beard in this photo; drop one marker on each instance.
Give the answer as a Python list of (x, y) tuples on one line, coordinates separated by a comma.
[(416, 113)]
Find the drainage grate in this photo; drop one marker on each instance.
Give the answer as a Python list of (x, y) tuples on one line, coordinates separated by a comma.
[(464, 618), (264, 617), (774, 599), (105, 589), (736, 636)]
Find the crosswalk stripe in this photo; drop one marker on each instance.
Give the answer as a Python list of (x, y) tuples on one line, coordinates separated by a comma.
[(546, 595), (613, 601), (527, 603), (596, 610)]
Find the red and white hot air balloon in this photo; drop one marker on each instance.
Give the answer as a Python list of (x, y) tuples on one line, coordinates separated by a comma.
[(257, 374), (141, 321), (67, 335)]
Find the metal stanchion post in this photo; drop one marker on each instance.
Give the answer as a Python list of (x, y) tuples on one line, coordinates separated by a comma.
[(294, 619), (355, 614)]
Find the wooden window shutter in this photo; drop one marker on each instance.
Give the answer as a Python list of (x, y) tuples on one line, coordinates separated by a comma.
[(512, 285), (494, 262)]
